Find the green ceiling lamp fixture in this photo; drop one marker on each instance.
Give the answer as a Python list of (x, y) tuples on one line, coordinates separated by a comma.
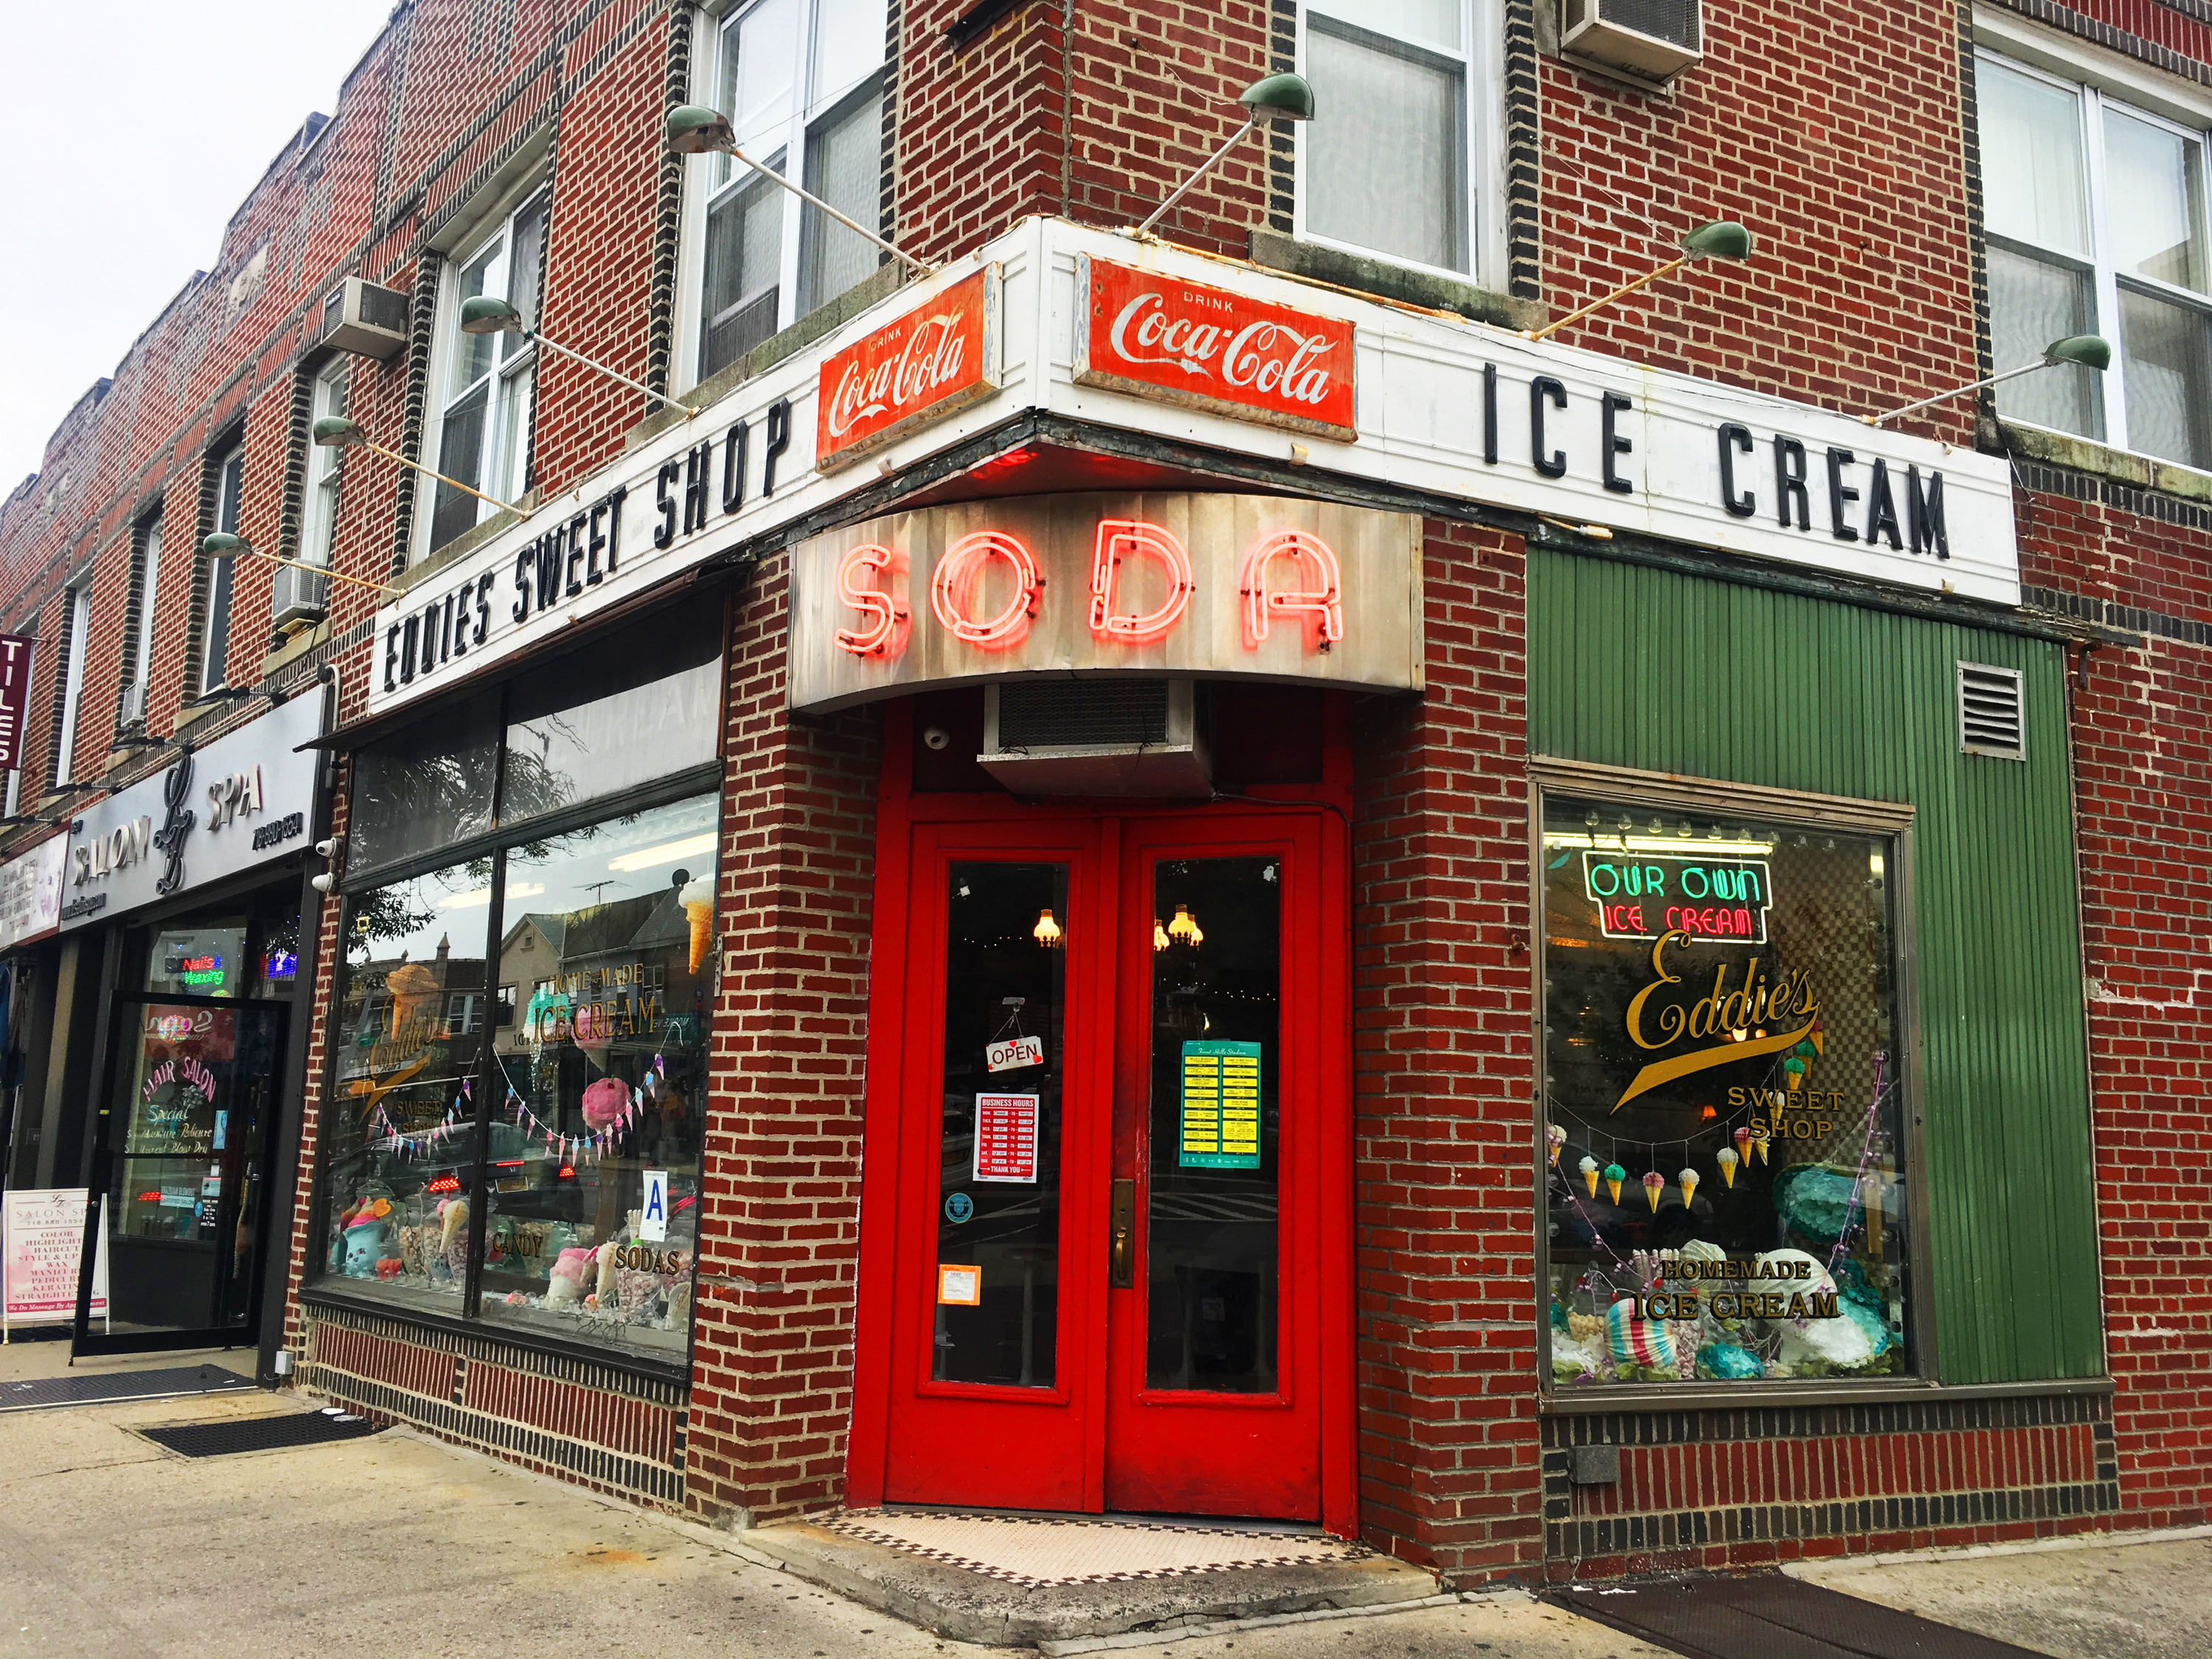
[(338, 431), (489, 315), (224, 545), (1276, 98), (1725, 239), (694, 129), (2089, 351)]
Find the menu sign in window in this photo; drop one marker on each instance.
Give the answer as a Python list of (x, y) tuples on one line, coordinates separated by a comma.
[(1220, 1106)]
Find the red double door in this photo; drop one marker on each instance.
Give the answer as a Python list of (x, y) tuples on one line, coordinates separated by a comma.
[(1108, 1136)]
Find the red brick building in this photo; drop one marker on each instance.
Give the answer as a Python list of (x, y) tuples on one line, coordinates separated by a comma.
[(1174, 872)]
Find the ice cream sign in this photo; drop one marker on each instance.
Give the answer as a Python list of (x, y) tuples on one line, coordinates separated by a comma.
[(1644, 894)]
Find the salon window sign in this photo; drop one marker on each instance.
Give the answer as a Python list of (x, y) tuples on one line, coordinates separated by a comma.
[(211, 813), (31, 892), (1170, 583)]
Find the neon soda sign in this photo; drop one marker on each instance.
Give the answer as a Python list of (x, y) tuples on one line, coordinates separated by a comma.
[(1286, 575)]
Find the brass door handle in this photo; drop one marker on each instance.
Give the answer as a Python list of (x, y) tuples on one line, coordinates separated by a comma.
[(1122, 1237)]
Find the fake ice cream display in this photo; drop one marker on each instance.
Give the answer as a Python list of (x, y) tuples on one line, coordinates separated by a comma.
[(1589, 1169), (697, 898), (1726, 1159)]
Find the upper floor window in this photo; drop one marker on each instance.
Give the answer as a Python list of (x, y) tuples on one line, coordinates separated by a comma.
[(227, 473), (138, 662), (802, 81), (1400, 157), (319, 514), (2095, 214), (76, 642), (487, 379)]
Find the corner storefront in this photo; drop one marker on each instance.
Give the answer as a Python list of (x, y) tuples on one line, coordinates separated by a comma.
[(1388, 853)]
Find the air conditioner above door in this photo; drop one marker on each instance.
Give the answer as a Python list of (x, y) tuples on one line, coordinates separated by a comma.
[(1648, 41), (1096, 736)]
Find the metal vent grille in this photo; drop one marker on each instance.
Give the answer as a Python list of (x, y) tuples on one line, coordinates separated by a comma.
[(1082, 714), (1992, 711), (1678, 22)]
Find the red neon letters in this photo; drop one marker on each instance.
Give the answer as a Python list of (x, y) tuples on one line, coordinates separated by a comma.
[(1288, 575), (1120, 539), (960, 574), (884, 632), (1321, 600)]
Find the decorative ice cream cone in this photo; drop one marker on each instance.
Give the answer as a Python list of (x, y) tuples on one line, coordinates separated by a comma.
[(1727, 1159), (1654, 1184), (1688, 1181), (1760, 1142), (697, 898), (1614, 1175), (1589, 1169), (1554, 1138)]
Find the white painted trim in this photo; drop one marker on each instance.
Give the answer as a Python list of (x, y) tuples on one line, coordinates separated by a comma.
[(1840, 1567)]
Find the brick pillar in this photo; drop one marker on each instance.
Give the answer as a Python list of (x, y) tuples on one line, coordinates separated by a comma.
[(1444, 1086), (772, 1364)]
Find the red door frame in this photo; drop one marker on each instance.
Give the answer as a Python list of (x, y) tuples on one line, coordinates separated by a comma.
[(899, 812)]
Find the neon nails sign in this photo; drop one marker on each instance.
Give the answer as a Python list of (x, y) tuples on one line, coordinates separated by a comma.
[(953, 590), (884, 632), (1120, 539), (1320, 601)]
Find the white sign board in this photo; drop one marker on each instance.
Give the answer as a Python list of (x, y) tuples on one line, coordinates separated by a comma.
[(653, 1214), (31, 892), (1455, 409), (244, 799), (1013, 1054), (43, 1232)]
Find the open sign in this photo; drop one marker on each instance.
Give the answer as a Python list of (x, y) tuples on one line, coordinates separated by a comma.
[(1014, 1054)]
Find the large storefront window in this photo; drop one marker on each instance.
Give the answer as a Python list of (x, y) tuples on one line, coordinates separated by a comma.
[(1724, 1112), (519, 1090)]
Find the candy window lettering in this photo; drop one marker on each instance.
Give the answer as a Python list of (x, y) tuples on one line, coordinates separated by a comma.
[(1726, 1165)]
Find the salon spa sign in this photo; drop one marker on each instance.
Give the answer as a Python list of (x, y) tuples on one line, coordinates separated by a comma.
[(1167, 583), (1053, 322), (209, 814)]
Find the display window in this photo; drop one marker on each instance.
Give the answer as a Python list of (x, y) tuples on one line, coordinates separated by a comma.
[(1725, 1144), (518, 1089)]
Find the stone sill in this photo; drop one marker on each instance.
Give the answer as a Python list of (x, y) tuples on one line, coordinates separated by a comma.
[(2036, 443), (294, 647), (1337, 269)]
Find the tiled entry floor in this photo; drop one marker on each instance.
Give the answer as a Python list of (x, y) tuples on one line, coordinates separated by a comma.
[(1016, 1579), (1038, 1550)]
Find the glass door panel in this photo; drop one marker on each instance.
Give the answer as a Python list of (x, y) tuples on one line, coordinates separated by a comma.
[(195, 1095), (1210, 1252), (996, 1289)]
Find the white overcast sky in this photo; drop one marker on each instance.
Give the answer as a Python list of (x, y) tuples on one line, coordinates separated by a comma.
[(127, 136)]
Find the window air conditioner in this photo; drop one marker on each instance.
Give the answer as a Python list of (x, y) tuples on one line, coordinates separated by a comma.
[(1096, 737), (366, 321), (1646, 39), (298, 595), (132, 710)]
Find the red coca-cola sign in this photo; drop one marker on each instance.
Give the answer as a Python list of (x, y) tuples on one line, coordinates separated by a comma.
[(940, 356), (1208, 348)]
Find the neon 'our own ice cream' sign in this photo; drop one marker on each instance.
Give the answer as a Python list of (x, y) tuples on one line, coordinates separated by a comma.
[(1285, 577)]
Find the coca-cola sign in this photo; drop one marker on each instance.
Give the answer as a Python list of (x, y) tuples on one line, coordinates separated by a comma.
[(1206, 348), (940, 356)]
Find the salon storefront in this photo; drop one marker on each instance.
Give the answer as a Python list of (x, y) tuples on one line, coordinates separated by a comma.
[(182, 900), (1134, 885)]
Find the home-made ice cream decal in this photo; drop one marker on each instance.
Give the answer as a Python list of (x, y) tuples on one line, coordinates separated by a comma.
[(697, 898)]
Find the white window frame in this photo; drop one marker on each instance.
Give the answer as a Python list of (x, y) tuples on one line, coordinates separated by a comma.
[(1481, 57), (148, 563), (496, 224), (225, 466), (79, 627), (318, 505), (708, 181), (2098, 79)]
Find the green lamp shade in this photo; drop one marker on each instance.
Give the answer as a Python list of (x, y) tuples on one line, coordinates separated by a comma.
[(2090, 350), (1280, 98), (224, 545), (1725, 240), (336, 432), (489, 315), (693, 129)]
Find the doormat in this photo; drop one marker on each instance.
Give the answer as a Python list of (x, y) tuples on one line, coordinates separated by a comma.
[(1036, 1550), (252, 1434), (98, 1389), (1771, 1616)]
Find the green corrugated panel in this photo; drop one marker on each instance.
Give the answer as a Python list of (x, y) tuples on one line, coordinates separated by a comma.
[(1645, 668)]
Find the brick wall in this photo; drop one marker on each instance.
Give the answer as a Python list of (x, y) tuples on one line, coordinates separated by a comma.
[(1444, 1210)]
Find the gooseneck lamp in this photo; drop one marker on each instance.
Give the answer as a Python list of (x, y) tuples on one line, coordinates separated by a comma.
[(489, 315), (224, 545), (1276, 98), (2089, 351), (338, 432), (1725, 239), (694, 129)]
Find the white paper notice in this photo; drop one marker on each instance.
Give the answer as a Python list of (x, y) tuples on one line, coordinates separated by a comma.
[(653, 1219)]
